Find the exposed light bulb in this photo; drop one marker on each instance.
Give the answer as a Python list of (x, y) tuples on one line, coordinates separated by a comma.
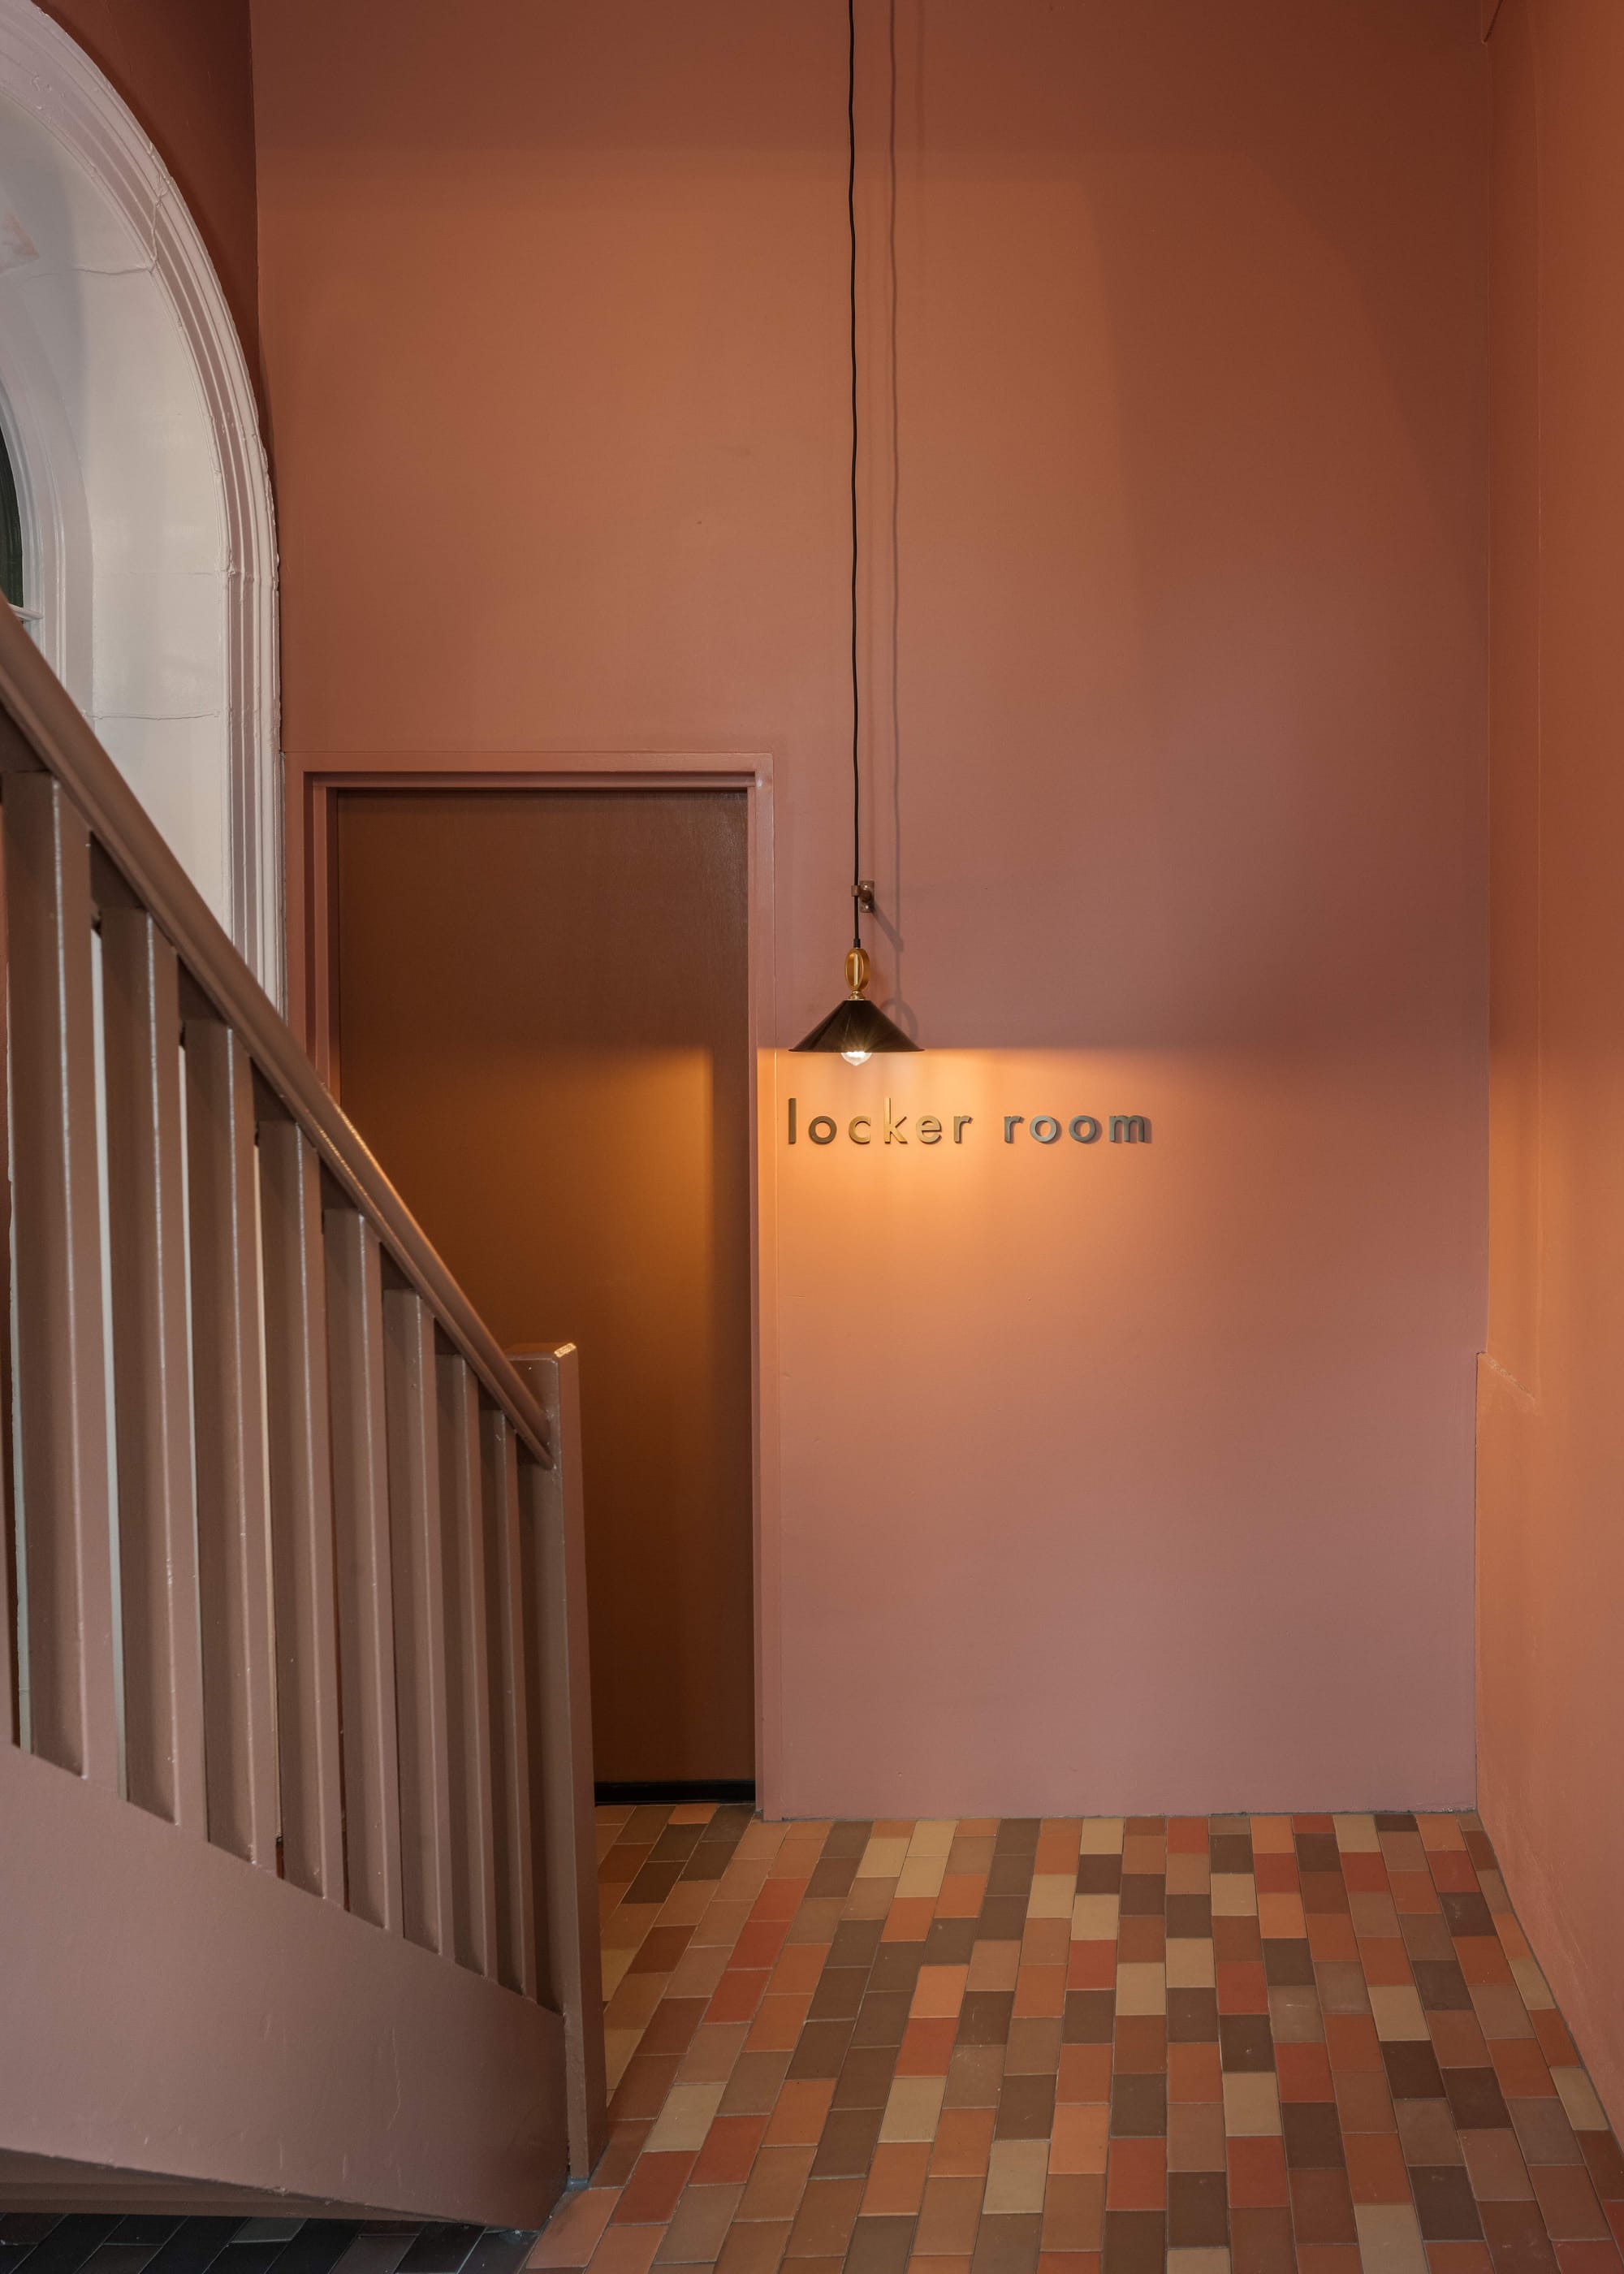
[(855, 1058)]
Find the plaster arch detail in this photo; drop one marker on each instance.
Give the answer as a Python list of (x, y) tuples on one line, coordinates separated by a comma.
[(131, 421)]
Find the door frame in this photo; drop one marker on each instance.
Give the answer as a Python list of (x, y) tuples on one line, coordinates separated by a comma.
[(312, 786)]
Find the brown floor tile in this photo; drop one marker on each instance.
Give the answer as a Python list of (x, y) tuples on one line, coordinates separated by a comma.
[(1312, 2134), (1260, 2242), (948, 2218), (1517, 2237), (879, 2246), (974, 2077), (1074, 2211), (776, 2183), (1140, 2041), (849, 2139), (754, 2084), (1569, 2203), (1495, 2161), (1198, 2211), (1033, 2046), (1363, 2101), (1135, 2243), (1008, 2244), (699, 2226), (1604, 2160), (1026, 2107), (865, 2077), (1322, 2208), (1139, 2106), (824, 2221), (1476, 2100), (626, 2140), (1542, 2131), (1445, 2203), (753, 2249), (1426, 2130)]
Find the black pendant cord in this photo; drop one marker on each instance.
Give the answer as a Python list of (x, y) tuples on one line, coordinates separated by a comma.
[(851, 219)]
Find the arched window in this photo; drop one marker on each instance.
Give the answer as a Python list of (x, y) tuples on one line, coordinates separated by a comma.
[(135, 504), (12, 580)]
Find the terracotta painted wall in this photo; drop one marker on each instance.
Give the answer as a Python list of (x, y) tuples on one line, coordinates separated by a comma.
[(184, 68), (1551, 1451), (1102, 1477)]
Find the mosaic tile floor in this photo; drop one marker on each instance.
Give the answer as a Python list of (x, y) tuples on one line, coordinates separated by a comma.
[(1232, 2045)]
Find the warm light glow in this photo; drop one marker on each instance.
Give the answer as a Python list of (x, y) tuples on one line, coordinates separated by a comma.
[(855, 1058)]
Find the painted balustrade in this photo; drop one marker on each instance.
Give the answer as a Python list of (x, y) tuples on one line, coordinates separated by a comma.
[(292, 1545)]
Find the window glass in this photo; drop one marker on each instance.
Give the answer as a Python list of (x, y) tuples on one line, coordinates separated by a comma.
[(10, 532)]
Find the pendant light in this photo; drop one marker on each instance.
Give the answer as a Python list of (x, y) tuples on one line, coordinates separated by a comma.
[(856, 1026)]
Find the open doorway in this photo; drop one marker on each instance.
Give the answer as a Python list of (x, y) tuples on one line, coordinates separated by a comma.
[(540, 1008)]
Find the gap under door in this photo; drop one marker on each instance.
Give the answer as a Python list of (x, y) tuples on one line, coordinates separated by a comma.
[(542, 1030)]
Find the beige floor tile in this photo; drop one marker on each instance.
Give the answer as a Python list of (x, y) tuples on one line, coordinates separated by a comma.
[(1585, 2112), (933, 1836), (712, 2051), (1141, 1989), (1016, 2171), (1357, 1835), (625, 1929), (1532, 1984), (1189, 1964), (698, 1970), (1234, 1896), (1093, 1918), (914, 2108), (632, 2006), (615, 1964), (921, 1875), (688, 1902), (1251, 2104), (686, 2118), (1198, 2261), (1102, 1835), (883, 1859), (1396, 2006), (1389, 2239), (618, 2046), (1052, 1895)]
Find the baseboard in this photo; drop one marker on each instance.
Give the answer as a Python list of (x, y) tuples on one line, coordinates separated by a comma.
[(642, 1791)]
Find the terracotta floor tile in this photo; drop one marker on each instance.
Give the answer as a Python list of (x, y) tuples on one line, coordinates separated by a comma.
[(1013, 2047), (950, 2212), (897, 2179), (729, 2149)]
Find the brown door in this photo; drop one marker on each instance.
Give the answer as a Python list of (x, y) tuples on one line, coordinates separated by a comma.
[(541, 1031)]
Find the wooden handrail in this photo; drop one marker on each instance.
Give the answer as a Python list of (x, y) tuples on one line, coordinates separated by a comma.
[(266, 1440), (42, 727)]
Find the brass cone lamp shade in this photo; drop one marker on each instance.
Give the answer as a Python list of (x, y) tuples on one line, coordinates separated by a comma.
[(856, 1027)]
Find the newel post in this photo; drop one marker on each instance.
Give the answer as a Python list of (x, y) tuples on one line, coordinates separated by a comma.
[(560, 1690)]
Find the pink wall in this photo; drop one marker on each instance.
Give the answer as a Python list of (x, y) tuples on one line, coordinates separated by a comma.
[(1101, 1478), (1551, 1447)]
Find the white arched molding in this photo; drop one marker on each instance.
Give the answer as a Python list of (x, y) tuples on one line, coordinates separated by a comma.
[(132, 422)]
